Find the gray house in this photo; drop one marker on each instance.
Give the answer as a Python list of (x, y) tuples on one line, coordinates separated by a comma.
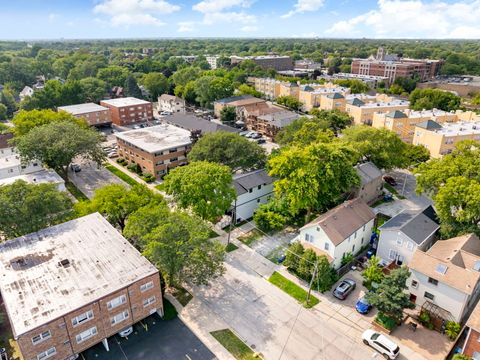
[(406, 232), (371, 182)]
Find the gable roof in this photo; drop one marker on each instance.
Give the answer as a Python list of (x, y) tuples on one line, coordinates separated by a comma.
[(396, 114), (191, 122), (429, 125), (168, 97), (356, 102), (307, 88), (244, 182), (342, 221), (458, 256), (417, 225), (368, 172)]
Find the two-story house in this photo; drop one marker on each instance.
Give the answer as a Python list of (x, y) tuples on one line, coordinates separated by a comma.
[(404, 233), (170, 103), (448, 276), (253, 188), (371, 182), (341, 230)]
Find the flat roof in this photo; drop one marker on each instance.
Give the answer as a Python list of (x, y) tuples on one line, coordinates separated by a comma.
[(458, 128), (156, 138), (430, 113), (126, 101), (10, 161), (82, 108), (191, 122), (39, 177), (383, 104), (37, 289)]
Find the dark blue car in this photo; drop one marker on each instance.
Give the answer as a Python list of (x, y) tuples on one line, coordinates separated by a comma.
[(362, 306)]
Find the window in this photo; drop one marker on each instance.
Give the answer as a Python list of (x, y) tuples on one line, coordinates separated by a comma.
[(87, 334), (428, 295), (399, 242), (392, 254), (308, 238), (327, 246), (146, 286), (47, 354), (410, 246), (119, 317), (433, 281), (80, 319), (112, 304), (353, 248), (41, 337), (149, 301), (414, 284), (259, 187), (364, 226), (355, 236)]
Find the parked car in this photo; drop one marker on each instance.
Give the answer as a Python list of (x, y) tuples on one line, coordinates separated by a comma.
[(389, 180), (112, 154), (75, 168), (136, 127), (251, 134), (256, 136), (165, 113), (261, 141), (345, 287), (382, 343), (126, 332), (363, 306), (156, 122), (244, 133)]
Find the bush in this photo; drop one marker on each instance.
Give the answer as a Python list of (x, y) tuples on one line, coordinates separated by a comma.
[(452, 329), (386, 321), (148, 178), (135, 168), (461, 357), (347, 258), (122, 161), (268, 220), (425, 319)]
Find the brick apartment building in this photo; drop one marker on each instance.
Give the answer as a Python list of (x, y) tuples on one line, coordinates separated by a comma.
[(275, 62), (129, 110), (156, 149), (94, 114), (73, 285)]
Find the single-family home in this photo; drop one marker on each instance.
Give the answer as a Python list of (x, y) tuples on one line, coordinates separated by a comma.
[(371, 182), (341, 230), (446, 277), (253, 188), (170, 103), (404, 233), (26, 91)]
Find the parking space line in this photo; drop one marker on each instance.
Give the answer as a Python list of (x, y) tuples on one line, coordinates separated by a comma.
[(121, 349)]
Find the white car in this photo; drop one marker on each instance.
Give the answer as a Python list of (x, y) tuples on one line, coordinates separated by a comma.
[(126, 332), (383, 344), (136, 127)]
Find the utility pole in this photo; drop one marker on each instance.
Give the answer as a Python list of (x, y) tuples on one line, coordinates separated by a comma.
[(404, 183), (234, 213), (311, 282)]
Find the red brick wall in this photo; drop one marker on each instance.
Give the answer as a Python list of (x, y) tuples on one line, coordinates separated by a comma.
[(127, 115), (472, 344)]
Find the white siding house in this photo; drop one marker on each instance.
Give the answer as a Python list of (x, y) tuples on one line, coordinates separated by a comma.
[(12, 165), (447, 276), (171, 104), (253, 188), (342, 230), (406, 232)]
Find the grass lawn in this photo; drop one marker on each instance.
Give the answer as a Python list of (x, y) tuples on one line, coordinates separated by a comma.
[(293, 290), (250, 237), (233, 344), (160, 187), (385, 321), (129, 180), (182, 295), (80, 196), (169, 311), (231, 247)]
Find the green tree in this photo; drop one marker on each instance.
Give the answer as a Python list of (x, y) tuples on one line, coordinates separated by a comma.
[(131, 87), (290, 102), (373, 272), (113, 75), (334, 119), (27, 208), (156, 83), (268, 220), (293, 255), (228, 115), (415, 154), (228, 149), (211, 88), (185, 75), (355, 86), (304, 131), (58, 143), (3, 112), (380, 146), (326, 275), (306, 265), (93, 89), (205, 188), (434, 98), (245, 89), (7, 99), (313, 177), (117, 203), (390, 297)]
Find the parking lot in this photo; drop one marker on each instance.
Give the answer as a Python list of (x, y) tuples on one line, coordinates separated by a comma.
[(164, 340)]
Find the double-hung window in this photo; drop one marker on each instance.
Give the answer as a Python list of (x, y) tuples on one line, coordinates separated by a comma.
[(47, 353), (41, 337), (119, 300), (146, 286), (80, 319), (119, 317)]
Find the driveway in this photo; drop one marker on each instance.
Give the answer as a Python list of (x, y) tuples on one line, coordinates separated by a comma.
[(164, 340), (92, 178), (272, 322)]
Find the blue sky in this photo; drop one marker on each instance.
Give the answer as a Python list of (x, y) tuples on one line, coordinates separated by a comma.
[(54, 19)]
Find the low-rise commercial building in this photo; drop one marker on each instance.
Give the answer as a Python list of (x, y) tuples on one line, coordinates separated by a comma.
[(440, 139), (446, 277), (73, 285), (93, 114), (129, 110), (363, 112), (155, 149), (170, 103), (253, 189), (340, 231)]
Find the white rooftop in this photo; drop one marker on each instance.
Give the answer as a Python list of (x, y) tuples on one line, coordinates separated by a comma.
[(384, 104), (39, 177), (126, 101), (156, 138), (459, 129), (82, 108), (330, 90), (10, 161), (36, 288), (429, 113)]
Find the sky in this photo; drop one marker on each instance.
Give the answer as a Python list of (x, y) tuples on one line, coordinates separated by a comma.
[(85, 19)]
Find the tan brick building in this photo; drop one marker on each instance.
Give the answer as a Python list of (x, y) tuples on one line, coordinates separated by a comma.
[(94, 114), (73, 285), (312, 96), (440, 139), (237, 102), (156, 149), (363, 112), (129, 110)]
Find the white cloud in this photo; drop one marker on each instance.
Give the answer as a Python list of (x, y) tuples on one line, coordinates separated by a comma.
[(52, 17), (415, 19), (186, 26), (249, 28), (228, 17), (135, 12), (226, 11), (214, 6), (303, 6)]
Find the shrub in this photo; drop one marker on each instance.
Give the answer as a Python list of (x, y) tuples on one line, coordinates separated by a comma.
[(268, 220), (148, 178), (425, 319), (122, 161), (293, 256), (306, 265), (461, 357), (135, 168), (347, 258), (452, 329), (386, 321)]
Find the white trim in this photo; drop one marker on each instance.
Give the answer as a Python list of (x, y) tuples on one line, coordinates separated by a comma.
[(41, 337), (47, 353)]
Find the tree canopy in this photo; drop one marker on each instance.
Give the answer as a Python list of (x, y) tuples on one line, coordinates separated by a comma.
[(25, 121), (434, 98)]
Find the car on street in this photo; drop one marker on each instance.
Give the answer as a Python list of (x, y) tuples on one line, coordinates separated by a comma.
[(165, 113), (244, 133), (389, 180), (382, 343), (363, 306), (126, 332), (250, 134), (256, 136), (345, 287)]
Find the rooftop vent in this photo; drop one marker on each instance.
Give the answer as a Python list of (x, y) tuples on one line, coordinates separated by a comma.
[(64, 263)]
